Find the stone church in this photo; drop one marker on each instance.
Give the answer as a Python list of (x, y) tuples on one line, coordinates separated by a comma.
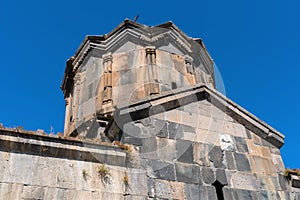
[(144, 120)]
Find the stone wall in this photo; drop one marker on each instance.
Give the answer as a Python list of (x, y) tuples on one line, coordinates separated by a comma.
[(199, 146), (123, 78), (191, 159), (181, 145)]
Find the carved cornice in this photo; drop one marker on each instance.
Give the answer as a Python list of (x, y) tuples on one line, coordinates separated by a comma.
[(138, 31), (129, 29)]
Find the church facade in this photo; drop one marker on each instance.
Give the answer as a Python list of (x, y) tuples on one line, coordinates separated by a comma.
[(144, 120)]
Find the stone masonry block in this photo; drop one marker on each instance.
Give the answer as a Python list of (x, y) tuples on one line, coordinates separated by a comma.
[(208, 175), (151, 187), (208, 137), (149, 147), (241, 145), (221, 176), (262, 165), (227, 143), (246, 195), (201, 154), (230, 161), (277, 161), (228, 193), (184, 151), (33, 192), (175, 130), (166, 149), (163, 190), (192, 191), (242, 162), (187, 173), (137, 183), (216, 156), (211, 193), (245, 181), (11, 190), (161, 128), (159, 169)]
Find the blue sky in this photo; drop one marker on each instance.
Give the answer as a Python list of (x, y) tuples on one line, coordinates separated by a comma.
[(255, 44)]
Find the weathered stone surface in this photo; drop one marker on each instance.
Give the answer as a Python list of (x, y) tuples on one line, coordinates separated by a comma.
[(245, 181), (11, 190), (248, 134), (211, 193), (283, 195), (177, 189), (239, 130), (161, 128), (192, 191), (166, 149), (265, 195), (151, 188), (133, 197), (188, 129), (226, 142), (207, 137), (133, 159), (137, 183), (78, 194), (107, 195), (268, 182), (201, 154), (132, 140), (163, 189), (277, 161), (242, 162), (132, 129), (208, 175), (283, 182), (33, 192), (230, 161), (246, 195), (262, 165), (159, 169), (216, 156), (149, 147), (184, 151), (221, 176), (228, 193), (241, 145), (175, 130), (187, 173)]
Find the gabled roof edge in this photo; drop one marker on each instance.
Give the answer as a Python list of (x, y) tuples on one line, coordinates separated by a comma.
[(240, 114)]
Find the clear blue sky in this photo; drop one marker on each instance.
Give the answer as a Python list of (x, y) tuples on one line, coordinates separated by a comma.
[(255, 44)]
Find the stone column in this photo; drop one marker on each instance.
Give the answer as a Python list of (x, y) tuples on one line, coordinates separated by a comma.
[(189, 66), (190, 70), (67, 115), (77, 82), (107, 76), (152, 71)]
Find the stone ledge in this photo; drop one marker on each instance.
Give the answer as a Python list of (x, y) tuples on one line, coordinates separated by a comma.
[(42, 145)]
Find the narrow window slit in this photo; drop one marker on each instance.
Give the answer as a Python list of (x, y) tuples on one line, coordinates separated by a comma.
[(219, 190)]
